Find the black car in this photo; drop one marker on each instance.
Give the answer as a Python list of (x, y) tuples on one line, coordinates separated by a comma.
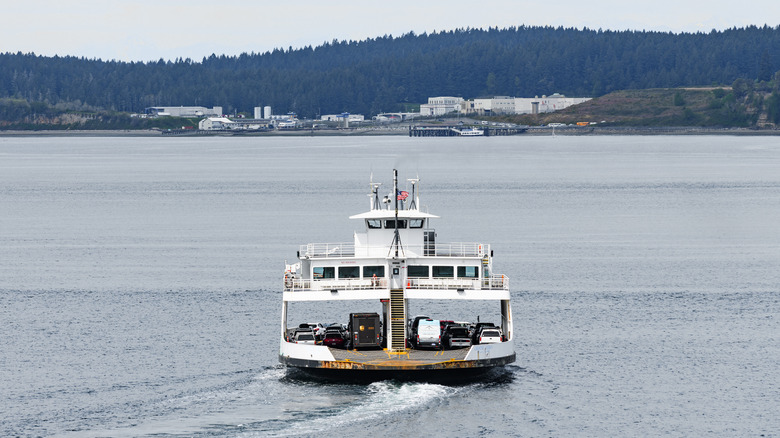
[(455, 337)]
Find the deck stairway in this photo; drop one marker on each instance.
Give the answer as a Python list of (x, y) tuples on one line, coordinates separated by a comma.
[(397, 320)]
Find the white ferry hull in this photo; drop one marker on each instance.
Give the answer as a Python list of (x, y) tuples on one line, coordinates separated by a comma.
[(410, 365), (397, 263)]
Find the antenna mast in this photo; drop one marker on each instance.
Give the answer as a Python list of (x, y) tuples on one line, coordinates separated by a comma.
[(413, 204), (397, 236)]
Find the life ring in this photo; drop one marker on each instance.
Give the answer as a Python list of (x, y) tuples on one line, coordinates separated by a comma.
[(288, 281)]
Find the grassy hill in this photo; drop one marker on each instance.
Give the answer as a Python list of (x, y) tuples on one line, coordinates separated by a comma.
[(706, 106)]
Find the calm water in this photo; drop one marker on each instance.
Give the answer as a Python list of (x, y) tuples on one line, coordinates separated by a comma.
[(139, 283)]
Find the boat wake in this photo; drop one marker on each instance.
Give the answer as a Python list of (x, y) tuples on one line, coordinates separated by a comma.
[(378, 401)]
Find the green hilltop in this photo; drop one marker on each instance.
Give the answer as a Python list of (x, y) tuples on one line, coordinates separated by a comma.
[(743, 105), (391, 74)]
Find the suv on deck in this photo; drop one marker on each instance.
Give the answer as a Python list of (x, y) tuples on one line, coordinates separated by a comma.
[(305, 337), (476, 329), (489, 335), (455, 337)]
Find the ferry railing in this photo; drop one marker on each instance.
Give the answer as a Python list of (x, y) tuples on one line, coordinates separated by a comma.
[(494, 282), (335, 250), (327, 250), (303, 284)]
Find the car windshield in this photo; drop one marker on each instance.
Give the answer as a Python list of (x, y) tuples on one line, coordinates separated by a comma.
[(490, 333), (305, 337)]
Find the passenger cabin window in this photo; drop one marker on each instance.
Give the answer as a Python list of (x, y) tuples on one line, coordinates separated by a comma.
[(324, 272), (417, 271), (416, 223), (390, 223), (374, 223), (349, 271), (468, 271), (370, 271), (443, 271)]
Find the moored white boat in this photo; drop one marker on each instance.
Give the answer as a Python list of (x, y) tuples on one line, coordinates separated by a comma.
[(471, 132), (396, 261)]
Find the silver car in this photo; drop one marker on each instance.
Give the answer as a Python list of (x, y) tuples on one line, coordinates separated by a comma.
[(305, 337)]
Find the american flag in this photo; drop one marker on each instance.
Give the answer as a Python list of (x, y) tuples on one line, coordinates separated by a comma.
[(402, 194)]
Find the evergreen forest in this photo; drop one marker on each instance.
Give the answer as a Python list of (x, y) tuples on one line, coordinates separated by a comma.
[(389, 74)]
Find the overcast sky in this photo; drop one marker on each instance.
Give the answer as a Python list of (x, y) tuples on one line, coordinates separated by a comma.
[(144, 30)]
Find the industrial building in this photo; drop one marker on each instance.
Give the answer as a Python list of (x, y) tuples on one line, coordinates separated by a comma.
[(225, 124), (546, 104), (340, 117), (184, 111), (394, 117), (438, 106), (519, 105), (492, 105)]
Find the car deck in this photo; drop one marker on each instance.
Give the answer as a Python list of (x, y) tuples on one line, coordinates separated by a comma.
[(409, 358)]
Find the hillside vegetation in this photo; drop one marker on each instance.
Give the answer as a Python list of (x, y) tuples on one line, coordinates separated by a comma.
[(745, 104), (389, 73), (18, 114)]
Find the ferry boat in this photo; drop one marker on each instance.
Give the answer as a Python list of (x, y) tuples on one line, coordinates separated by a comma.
[(471, 132), (396, 262)]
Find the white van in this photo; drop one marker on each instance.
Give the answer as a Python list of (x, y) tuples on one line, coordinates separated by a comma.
[(428, 334)]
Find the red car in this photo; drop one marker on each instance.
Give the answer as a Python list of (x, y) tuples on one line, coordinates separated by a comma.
[(333, 339)]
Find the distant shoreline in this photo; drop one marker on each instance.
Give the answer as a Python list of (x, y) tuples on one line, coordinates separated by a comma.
[(400, 131)]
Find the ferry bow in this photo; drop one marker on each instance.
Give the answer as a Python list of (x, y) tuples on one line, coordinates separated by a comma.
[(396, 260)]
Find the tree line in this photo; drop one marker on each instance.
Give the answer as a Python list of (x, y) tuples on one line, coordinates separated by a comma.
[(387, 74)]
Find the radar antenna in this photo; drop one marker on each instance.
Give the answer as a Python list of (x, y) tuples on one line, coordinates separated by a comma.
[(375, 195), (413, 204)]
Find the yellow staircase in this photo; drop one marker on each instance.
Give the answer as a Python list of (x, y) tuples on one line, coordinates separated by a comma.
[(397, 320)]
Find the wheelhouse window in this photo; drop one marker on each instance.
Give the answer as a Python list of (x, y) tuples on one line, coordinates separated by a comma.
[(374, 223), (416, 223), (390, 223), (349, 271), (324, 272), (370, 271), (417, 271), (468, 271), (443, 271)]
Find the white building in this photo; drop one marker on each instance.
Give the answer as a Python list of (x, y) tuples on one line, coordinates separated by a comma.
[(225, 124), (438, 106), (519, 105), (493, 105), (216, 123), (341, 117), (546, 104), (184, 111), (394, 117), (286, 123)]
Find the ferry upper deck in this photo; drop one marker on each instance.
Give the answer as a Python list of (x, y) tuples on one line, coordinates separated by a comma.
[(396, 258), (397, 249)]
